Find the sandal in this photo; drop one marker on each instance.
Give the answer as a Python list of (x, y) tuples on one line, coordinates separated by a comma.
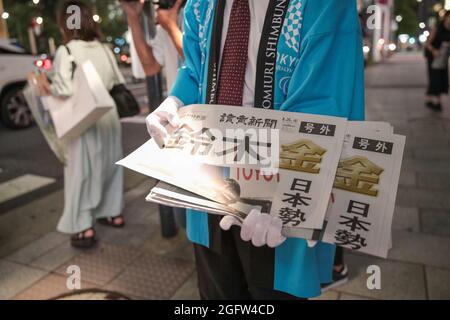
[(111, 222), (79, 240)]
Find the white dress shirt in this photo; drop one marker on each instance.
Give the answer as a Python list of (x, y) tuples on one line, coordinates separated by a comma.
[(258, 9)]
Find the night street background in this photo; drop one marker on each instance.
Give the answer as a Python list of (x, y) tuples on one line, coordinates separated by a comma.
[(138, 263)]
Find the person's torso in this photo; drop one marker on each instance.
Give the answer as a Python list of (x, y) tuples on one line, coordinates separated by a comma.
[(287, 44)]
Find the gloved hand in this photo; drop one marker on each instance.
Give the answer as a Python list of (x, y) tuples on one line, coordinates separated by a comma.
[(261, 229), (164, 120)]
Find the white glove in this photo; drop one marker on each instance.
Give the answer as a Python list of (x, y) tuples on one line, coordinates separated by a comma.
[(311, 243), (164, 120), (261, 229)]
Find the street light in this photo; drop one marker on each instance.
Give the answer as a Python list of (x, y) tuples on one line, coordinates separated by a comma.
[(403, 38), (35, 1), (5, 15), (39, 20), (96, 17)]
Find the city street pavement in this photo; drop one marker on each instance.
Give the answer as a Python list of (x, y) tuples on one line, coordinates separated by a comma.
[(137, 263)]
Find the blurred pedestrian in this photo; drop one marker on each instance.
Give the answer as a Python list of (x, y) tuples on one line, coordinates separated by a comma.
[(93, 184), (164, 52), (437, 62)]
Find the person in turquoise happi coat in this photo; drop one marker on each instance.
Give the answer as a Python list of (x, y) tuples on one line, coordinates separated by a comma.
[(319, 69)]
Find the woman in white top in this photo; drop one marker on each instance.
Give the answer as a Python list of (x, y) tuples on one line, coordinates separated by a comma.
[(93, 184)]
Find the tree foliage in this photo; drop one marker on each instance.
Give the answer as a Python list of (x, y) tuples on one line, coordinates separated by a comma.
[(407, 9)]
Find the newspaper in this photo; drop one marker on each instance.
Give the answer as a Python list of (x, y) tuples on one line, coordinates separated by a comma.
[(298, 152), (250, 181), (376, 238), (296, 183), (365, 191), (170, 195)]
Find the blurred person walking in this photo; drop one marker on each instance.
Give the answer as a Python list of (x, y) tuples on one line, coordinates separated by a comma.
[(164, 52), (436, 53), (93, 184)]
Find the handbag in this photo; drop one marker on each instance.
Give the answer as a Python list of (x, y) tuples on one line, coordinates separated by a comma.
[(126, 104)]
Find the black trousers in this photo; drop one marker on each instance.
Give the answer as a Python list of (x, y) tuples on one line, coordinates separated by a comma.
[(339, 256), (438, 82), (225, 275)]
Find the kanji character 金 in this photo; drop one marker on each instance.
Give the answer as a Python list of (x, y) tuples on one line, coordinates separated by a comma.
[(358, 174), (303, 155)]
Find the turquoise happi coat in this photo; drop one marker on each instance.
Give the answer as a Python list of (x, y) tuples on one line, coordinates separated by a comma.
[(319, 70)]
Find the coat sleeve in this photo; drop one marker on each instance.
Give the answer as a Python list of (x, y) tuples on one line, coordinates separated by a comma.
[(188, 83), (329, 78)]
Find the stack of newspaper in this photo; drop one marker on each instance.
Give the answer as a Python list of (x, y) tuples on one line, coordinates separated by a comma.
[(327, 178)]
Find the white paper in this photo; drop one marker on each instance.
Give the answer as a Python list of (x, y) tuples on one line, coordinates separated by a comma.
[(365, 192)]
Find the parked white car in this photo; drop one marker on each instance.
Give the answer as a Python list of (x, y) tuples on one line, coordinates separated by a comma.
[(15, 65)]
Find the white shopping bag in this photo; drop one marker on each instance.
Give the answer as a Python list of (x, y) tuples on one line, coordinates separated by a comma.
[(89, 102), (45, 125)]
